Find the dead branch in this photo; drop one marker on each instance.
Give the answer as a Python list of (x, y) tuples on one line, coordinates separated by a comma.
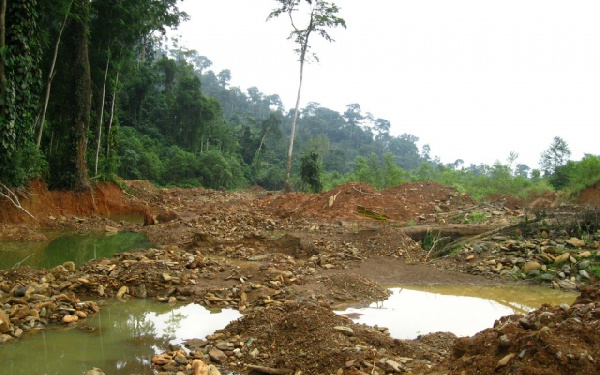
[(12, 197), (332, 198), (436, 238)]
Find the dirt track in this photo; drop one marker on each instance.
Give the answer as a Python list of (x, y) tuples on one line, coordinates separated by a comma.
[(287, 259)]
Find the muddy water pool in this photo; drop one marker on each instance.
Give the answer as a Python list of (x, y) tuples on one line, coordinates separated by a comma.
[(125, 337), (461, 309), (63, 247), (127, 334)]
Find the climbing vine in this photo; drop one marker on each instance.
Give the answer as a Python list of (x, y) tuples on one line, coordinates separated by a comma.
[(21, 57)]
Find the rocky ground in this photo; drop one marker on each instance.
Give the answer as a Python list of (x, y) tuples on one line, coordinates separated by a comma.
[(287, 260)]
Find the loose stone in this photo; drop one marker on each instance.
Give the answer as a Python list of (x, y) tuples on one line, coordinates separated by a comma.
[(345, 330), (562, 258), (217, 355), (70, 318)]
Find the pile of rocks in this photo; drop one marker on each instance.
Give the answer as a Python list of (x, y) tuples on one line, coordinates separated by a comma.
[(28, 306), (564, 262)]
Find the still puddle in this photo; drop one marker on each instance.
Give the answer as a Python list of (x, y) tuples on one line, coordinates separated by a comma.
[(461, 309), (75, 247), (128, 335)]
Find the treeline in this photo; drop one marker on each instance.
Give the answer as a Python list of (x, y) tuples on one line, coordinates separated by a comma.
[(244, 135), (89, 92), (63, 67)]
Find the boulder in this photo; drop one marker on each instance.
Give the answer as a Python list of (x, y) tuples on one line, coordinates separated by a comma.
[(562, 258), (531, 266)]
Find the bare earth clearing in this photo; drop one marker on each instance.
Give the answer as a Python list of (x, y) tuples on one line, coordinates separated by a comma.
[(287, 260)]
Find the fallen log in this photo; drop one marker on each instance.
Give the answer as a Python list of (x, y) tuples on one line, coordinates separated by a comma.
[(453, 230), (476, 237)]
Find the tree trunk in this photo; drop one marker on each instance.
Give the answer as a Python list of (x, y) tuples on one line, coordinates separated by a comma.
[(50, 76), (286, 185), (99, 140), (2, 71), (112, 115), (419, 232), (82, 93)]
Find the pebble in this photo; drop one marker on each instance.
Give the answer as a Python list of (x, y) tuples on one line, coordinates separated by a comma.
[(345, 330), (161, 359), (5, 325), (504, 341), (562, 258), (584, 264), (70, 318), (584, 274), (505, 360), (531, 266), (576, 242), (217, 355), (69, 266), (565, 284)]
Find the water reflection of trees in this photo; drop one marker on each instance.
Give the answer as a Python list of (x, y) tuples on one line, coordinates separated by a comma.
[(134, 324), (82, 247), (16, 254)]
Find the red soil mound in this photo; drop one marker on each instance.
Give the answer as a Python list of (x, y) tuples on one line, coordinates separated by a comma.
[(591, 195), (103, 199), (358, 200)]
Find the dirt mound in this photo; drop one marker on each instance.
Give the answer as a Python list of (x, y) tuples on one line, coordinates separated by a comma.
[(143, 189), (47, 206), (359, 201), (591, 196), (344, 287), (548, 341), (304, 337), (544, 201)]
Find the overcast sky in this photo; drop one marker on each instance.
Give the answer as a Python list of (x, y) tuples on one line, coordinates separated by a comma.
[(474, 79)]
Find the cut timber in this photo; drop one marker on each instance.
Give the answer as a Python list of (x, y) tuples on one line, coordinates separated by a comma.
[(488, 233), (457, 230), (332, 198), (370, 213)]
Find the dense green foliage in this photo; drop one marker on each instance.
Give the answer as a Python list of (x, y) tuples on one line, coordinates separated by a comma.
[(127, 106), (310, 173), (19, 92)]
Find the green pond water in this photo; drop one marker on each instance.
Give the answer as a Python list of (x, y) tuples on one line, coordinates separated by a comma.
[(128, 335), (63, 247)]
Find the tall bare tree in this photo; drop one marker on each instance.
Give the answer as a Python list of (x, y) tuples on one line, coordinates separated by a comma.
[(322, 15)]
